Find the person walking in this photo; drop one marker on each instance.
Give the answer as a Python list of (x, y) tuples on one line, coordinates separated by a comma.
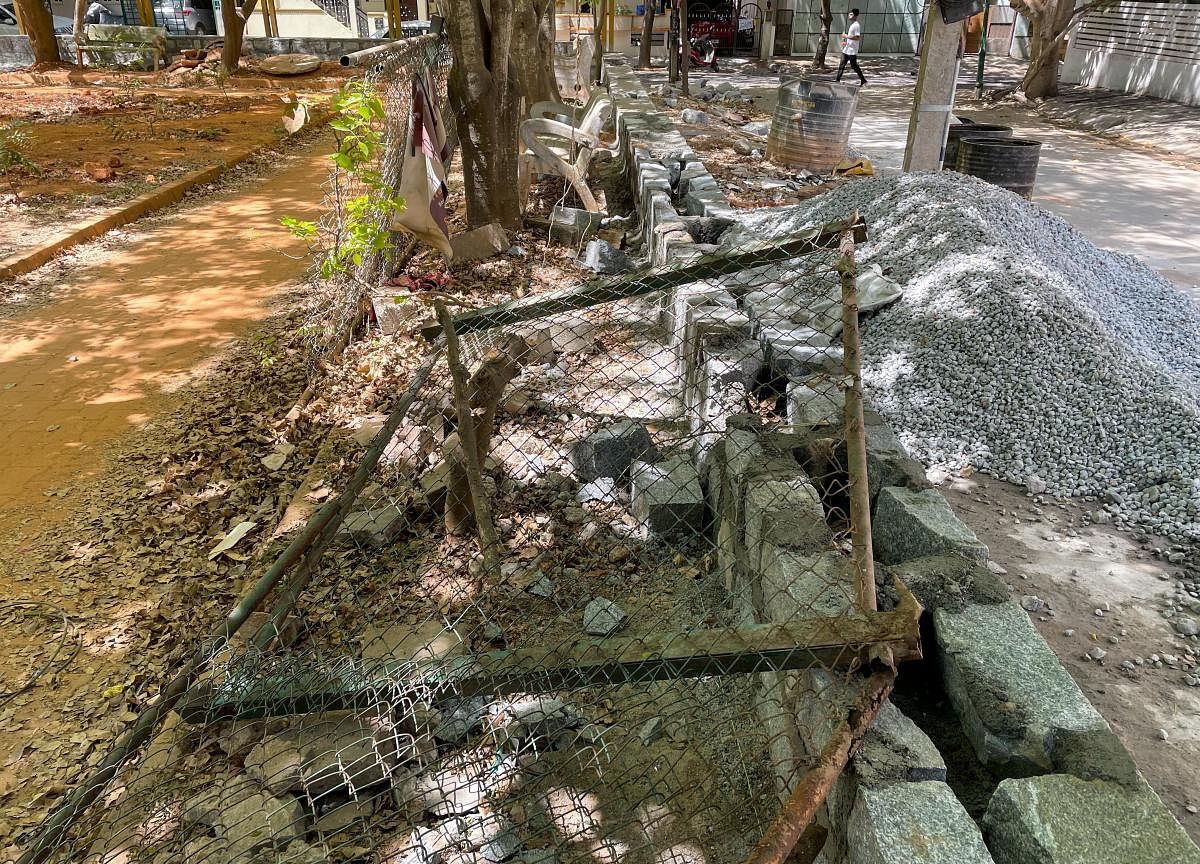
[(851, 41)]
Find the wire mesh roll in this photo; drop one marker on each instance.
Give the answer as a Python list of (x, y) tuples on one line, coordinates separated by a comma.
[(811, 125)]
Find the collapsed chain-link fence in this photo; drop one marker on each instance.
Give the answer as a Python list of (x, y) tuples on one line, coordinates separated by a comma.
[(664, 633)]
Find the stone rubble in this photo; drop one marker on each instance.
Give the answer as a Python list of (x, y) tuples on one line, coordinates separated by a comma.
[(602, 257), (602, 617)]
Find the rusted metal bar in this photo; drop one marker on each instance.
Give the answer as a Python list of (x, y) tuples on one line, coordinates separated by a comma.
[(59, 821), (810, 793), (848, 642), (628, 285), (862, 553), (293, 588), (367, 56), (379, 53)]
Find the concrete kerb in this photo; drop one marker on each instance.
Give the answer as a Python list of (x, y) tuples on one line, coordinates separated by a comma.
[(156, 199), (1016, 702), (327, 48), (668, 181)]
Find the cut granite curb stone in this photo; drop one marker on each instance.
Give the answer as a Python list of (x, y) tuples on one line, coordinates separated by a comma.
[(814, 401), (785, 512), (948, 582), (797, 585), (611, 450), (1011, 694), (913, 823), (912, 524), (888, 463), (1059, 819), (896, 749), (666, 498)]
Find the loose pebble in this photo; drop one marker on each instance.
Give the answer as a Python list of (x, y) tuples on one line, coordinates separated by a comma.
[(961, 366)]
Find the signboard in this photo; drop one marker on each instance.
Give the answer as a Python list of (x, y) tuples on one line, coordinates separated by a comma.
[(960, 10)]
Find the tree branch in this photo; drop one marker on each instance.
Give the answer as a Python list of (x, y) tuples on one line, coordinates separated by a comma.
[(489, 544), (1082, 10)]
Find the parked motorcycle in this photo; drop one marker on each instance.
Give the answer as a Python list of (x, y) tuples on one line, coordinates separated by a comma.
[(702, 52)]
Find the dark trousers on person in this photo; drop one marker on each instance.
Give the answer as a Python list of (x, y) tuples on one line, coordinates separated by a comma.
[(852, 59)]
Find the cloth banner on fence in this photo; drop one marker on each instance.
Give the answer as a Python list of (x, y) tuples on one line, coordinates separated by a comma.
[(423, 175)]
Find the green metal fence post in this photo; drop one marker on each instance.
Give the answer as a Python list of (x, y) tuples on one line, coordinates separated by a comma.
[(982, 51)]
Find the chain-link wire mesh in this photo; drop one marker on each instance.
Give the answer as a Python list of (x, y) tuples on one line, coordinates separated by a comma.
[(342, 298), (666, 632)]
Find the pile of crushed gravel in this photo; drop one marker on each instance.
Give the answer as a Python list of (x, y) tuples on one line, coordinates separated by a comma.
[(1022, 349)]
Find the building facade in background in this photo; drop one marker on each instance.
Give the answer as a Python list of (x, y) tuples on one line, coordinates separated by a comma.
[(1139, 47), (889, 27)]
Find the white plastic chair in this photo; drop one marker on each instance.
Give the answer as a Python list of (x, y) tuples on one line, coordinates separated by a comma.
[(588, 119), (551, 147)]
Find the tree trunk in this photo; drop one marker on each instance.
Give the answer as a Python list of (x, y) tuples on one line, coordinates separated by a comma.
[(647, 34), (235, 26), (1041, 78), (486, 101), (1048, 20), (673, 46), (685, 43), (39, 27), (78, 32), (546, 50), (599, 8), (823, 38), (534, 69)]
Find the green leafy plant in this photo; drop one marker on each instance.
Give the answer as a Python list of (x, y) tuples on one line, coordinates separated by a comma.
[(222, 81), (115, 130), (303, 230), (128, 88), (160, 112), (266, 346), (15, 142), (364, 218)]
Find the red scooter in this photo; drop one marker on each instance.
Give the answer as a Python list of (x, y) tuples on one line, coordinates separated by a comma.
[(702, 53)]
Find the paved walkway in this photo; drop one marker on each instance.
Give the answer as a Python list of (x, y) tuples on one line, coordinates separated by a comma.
[(1122, 198), (1166, 126)]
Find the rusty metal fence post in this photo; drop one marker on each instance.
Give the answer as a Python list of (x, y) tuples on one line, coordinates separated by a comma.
[(862, 554)]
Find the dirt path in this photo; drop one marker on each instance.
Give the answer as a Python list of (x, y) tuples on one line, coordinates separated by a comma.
[(87, 368), (99, 349), (1076, 568)]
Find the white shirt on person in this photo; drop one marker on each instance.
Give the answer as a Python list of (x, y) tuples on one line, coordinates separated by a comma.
[(851, 45)]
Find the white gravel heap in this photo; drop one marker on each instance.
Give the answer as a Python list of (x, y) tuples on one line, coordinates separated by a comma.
[(1022, 349)]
